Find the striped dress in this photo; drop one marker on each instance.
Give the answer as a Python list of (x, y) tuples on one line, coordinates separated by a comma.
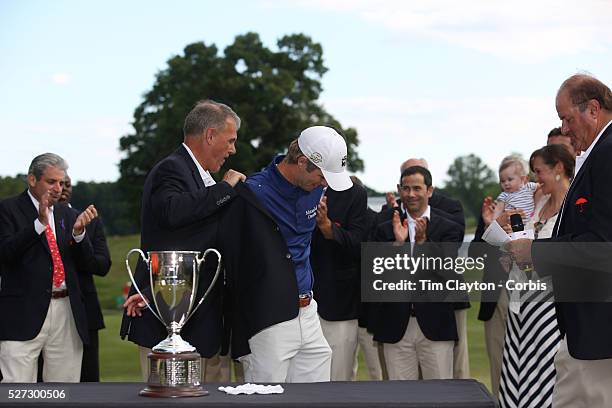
[(531, 342)]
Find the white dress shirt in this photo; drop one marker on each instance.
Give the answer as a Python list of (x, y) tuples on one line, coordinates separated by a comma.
[(583, 156), (412, 224), (40, 228), (206, 177)]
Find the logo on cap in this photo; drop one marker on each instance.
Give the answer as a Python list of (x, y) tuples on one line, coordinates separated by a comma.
[(344, 161), (316, 157)]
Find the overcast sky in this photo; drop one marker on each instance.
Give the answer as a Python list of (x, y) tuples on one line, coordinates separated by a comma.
[(433, 79)]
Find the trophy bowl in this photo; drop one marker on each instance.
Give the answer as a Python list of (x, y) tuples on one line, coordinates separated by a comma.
[(174, 364)]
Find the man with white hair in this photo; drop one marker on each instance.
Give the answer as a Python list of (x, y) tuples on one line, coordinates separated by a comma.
[(181, 206), (42, 243)]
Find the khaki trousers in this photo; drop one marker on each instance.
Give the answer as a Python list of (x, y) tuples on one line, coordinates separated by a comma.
[(59, 342), (342, 337), (495, 333), (370, 354), (290, 351), (581, 383), (461, 358), (414, 350)]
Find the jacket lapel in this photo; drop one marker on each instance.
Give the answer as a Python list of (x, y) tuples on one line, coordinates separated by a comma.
[(565, 205), (29, 211), (182, 152), (432, 226), (60, 228)]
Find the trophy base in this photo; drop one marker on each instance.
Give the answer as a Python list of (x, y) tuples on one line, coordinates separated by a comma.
[(157, 391), (174, 375)]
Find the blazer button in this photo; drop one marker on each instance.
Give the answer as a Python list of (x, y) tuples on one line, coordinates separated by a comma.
[(276, 228), (288, 256)]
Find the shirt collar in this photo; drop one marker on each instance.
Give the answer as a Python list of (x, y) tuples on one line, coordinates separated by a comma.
[(597, 138), (279, 180), (581, 158), (426, 214), (206, 177)]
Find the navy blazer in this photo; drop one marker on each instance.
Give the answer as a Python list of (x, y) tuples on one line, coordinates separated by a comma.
[(180, 213), (493, 271), (27, 268), (335, 262), (436, 319), (98, 265), (587, 326), (260, 276)]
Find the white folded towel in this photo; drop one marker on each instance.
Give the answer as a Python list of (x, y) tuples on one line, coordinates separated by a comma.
[(249, 389)]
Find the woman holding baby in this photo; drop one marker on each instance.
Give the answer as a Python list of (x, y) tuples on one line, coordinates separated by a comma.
[(532, 336)]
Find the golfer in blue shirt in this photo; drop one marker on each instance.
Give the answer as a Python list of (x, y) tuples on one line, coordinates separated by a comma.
[(290, 188)]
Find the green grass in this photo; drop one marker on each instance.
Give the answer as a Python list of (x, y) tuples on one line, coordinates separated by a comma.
[(110, 287), (119, 360)]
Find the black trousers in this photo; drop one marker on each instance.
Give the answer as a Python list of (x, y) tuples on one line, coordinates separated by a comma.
[(90, 366)]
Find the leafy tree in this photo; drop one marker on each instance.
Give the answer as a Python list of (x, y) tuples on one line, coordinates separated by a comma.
[(470, 181), (110, 203), (275, 94), (11, 186)]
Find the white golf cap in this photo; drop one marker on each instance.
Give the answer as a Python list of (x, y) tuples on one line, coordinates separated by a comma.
[(327, 150)]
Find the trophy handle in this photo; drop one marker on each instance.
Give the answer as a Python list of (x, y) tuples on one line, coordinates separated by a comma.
[(199, 260), (146, 260)]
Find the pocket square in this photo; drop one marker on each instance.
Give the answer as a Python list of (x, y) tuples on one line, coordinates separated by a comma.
[(580, 203)]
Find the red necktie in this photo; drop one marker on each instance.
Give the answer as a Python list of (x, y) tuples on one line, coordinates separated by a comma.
[(58, 266)]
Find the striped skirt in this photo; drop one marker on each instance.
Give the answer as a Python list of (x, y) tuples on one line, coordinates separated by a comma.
[(531, 342)]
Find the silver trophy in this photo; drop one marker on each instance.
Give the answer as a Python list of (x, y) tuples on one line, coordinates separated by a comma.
[(174, 364)]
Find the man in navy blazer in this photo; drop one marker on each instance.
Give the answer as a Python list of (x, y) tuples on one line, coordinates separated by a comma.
[(181, 205), (98, 265), (418, 334), (42, 243), (584, 360)]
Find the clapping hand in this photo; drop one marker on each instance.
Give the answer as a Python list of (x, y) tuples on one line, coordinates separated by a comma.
[(323, 221), (420, 232), (400, 229), (391, 201), (84, 219)]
